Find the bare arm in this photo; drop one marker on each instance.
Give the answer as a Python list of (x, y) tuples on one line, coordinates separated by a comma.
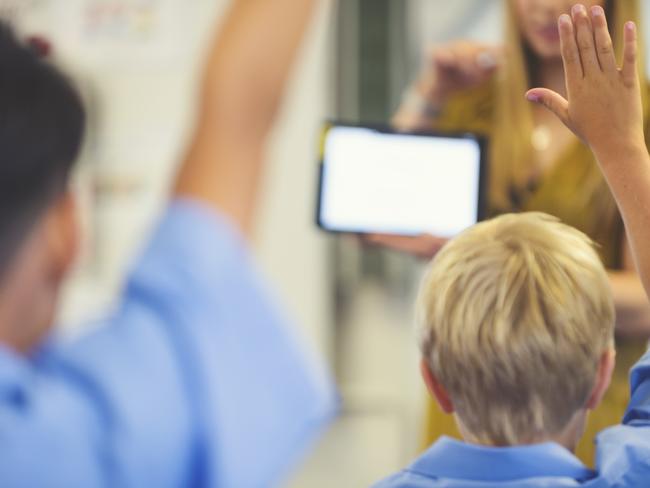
[(632, 306), (604, 109), (244, 81), (628, 174)]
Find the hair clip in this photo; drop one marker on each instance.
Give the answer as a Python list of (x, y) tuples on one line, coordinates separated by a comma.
[(40, 46)]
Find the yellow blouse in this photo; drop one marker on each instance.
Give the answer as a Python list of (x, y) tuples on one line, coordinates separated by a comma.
[(556, 193)]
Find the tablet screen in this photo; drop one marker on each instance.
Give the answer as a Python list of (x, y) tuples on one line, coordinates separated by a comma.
[(374, 181)]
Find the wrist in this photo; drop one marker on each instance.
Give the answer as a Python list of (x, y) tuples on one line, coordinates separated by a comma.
[(420, 100), (623, 153), (430, 89)]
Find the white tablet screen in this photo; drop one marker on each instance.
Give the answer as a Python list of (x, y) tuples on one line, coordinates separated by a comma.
[(382, 182)]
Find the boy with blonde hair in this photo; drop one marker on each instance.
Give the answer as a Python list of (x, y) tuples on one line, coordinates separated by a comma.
[(517, 316)]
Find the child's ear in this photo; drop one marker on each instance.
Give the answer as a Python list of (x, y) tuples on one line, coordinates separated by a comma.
[(435, 388), (62, 234), (603, 378)]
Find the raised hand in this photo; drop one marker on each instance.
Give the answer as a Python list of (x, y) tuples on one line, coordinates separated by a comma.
[(457, 66), (604, 109), (447, 69), (604, 106)]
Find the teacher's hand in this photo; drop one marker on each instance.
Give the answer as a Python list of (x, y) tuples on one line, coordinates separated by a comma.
[(447, 69), (457, 66), (424, 246)]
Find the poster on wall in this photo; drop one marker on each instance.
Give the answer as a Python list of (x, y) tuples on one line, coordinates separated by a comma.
[(119, 34), (128, 33)]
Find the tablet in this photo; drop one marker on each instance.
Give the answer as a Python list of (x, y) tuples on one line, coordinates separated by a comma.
[(376, 180)]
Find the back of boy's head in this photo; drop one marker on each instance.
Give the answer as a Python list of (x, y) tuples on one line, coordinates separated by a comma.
[(516, 313), (41, 129)]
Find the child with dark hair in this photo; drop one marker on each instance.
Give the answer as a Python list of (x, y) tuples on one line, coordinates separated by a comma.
[(195, 380)]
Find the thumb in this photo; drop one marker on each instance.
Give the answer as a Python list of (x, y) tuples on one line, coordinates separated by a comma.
[(552, 101)]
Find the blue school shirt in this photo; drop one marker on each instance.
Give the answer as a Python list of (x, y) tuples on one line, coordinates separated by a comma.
[(195, 381), (623, 457)]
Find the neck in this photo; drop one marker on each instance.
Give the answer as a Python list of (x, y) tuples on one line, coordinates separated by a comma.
[(28, 297), (568, 438)]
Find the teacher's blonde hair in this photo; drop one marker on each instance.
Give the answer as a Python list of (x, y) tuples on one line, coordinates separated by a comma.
[(515, 314), (511, 146)]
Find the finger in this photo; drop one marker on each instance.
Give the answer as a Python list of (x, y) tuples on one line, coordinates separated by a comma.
[(423, 246), (486, 61), (489, 58), (426, 246), (570, 54), (630, 49), (387, 240), (477, 64), (603, 40), (444, 58), (585, 40), (552, 101)]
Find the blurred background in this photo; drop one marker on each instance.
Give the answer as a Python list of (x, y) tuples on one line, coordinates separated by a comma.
[(137, 63)]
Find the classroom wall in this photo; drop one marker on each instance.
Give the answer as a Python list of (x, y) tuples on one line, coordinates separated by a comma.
[(137, 63)]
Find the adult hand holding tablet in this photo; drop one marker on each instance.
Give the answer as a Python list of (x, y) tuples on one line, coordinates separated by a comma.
[(381, 182)]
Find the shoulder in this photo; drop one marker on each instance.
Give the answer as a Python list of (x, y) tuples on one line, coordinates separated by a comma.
[(45, 419), (407, 479), (624, 455), (192, 252)]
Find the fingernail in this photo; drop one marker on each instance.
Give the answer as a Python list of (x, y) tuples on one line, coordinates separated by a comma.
[(578, 9), (532, 97), (630, 26), (565, 19), (486, 60), (597, 11)]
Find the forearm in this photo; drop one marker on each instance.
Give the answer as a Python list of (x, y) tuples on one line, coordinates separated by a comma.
[(242, 89), (632, 306), (628, 174), (250, 63)]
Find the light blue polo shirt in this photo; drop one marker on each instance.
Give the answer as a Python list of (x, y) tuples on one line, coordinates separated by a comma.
[(195, 381), (623, 457)]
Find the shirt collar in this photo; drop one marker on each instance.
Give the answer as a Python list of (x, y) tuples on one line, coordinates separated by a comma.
[(452, 459)]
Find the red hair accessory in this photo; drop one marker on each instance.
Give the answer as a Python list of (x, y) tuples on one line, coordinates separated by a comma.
[(41, 47)]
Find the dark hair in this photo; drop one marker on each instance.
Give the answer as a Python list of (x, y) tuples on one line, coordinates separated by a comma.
[(41, 129)]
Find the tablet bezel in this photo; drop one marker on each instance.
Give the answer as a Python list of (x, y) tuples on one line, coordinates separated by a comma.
[(482, 141)]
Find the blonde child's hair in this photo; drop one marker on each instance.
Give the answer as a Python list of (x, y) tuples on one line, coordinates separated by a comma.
[(515, 314)]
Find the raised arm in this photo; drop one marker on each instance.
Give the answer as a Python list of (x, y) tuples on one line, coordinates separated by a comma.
[(243, 85), (604, 109)]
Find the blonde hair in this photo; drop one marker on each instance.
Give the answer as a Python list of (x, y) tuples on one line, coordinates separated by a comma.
[(515, 314), (511, 148)]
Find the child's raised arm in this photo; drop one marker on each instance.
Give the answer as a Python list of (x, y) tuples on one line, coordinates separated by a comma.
[(604, 109), (245, 78)]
